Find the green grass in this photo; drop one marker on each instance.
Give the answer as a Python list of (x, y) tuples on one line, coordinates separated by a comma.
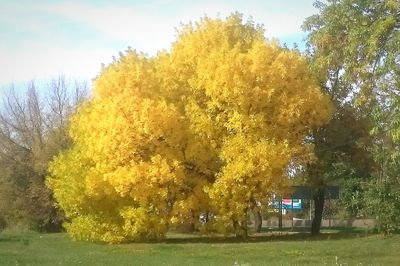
[(331, 248)]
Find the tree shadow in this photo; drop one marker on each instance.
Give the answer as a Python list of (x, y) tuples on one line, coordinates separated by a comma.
[(15, 238), (268, 235)]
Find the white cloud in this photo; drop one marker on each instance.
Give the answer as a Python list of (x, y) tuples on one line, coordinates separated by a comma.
[(149, 28), (146, 27), (41, 62), (124, 24)]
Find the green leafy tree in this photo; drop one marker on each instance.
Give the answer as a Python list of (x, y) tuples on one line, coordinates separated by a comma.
[(383, 192), (352, 196), (354, 46)]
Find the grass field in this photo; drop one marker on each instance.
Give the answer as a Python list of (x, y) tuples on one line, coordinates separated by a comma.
[(331, 248)]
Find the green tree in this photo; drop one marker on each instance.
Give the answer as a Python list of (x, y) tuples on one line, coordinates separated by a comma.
[(383, 192), (354, 46)]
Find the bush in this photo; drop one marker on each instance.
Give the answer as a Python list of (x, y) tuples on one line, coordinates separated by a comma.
[(352, 197), (382, 201)]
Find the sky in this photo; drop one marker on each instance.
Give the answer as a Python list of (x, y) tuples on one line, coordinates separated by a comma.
[(40, 40)]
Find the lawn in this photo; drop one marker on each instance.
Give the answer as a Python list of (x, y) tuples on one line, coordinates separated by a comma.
[(331, 248)]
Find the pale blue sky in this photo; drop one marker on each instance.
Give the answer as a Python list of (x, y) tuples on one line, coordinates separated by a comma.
[(42, 39)]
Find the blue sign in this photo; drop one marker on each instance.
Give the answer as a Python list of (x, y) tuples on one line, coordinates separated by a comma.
[(287, 204)]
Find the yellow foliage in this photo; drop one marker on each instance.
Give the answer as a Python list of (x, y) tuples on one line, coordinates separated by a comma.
[(207, 127)]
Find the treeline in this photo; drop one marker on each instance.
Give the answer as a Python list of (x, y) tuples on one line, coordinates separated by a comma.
[(33, 128)]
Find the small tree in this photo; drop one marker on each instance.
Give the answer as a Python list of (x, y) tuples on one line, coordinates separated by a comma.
[(383, 204), (32, 130)]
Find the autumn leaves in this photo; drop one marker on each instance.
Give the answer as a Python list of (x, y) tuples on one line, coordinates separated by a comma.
[(208, 127)]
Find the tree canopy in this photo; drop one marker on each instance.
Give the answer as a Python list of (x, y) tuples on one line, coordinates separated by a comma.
[(354, 49), (208, 127)]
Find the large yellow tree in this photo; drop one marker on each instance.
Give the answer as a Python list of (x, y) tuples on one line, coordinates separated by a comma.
[(210, 126)]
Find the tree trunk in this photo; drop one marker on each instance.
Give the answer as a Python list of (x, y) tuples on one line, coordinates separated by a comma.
[(257, 220), (319, 200), (192, 222), (257, 215), (240, 226)]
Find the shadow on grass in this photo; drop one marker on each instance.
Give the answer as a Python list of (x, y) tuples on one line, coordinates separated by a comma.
[(25, 239), (271, 235), (354, 230), (266, 235), (9, 239)]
